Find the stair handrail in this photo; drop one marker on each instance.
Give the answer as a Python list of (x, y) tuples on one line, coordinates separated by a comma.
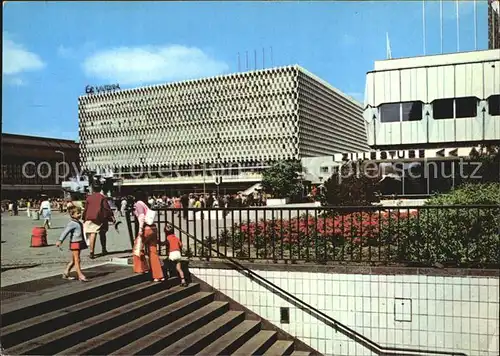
[(352, 334)]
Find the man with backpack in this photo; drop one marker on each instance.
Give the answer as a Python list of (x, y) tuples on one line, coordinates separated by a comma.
[(97, 215)]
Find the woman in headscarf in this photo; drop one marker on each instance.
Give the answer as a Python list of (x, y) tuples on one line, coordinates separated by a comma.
[(146, 241)]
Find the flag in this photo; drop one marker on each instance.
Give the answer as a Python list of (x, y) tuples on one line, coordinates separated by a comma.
[(388, 46)]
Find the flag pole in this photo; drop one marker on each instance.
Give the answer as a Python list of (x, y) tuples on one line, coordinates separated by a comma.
[(423, 26), (388, 46), (441, 23), (458, 27), (475, 25)]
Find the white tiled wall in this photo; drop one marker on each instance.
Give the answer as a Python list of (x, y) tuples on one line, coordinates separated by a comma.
[(411, 311)]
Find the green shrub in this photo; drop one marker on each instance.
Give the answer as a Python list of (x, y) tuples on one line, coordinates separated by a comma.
[(459, 235)]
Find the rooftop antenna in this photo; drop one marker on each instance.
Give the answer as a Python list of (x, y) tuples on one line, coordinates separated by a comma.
[(388, 46), (247, 58), (458, 26), (423, 27), (272, 59), (239, 66)]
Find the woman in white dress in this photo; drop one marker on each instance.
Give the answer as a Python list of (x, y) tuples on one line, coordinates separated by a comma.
[(46, 212)]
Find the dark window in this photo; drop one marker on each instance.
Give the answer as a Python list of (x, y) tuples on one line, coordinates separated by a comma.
[(412, 111), (443, 109), (466, 107), (284, 315), (494, 105), (390, 112)]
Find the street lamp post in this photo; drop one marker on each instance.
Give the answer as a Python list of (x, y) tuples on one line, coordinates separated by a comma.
[(64, 166), (204, 183), (64, 158)]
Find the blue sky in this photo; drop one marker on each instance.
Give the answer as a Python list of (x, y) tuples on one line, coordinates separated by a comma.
[(52, 50)]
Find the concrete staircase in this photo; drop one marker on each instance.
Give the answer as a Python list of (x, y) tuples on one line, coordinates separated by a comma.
[(129, 315)]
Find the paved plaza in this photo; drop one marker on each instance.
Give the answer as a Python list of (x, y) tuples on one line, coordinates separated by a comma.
[(21, 263)]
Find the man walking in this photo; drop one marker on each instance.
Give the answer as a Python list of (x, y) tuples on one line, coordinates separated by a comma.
[(97, 215)]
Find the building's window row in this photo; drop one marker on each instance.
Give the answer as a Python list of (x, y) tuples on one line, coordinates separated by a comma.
[(249, 83), (262, 101), (449, 108), (406, 111)]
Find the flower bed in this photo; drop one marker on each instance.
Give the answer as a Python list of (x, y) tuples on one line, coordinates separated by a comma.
[(354, 236), (450, 236)]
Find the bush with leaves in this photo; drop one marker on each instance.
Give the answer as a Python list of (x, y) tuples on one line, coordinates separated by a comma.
[(352, 185), (458, 235), (489, 157), (282, 180)]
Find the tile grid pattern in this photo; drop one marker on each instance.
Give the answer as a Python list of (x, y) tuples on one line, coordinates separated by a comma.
[(447, 313), (244, 117)]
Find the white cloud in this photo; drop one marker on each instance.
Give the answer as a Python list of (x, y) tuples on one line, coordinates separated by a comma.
[(75, 52), (17, 59), (18, 82), (150, 64)]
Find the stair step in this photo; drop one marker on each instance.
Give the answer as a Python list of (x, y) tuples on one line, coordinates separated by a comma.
[(279, 348), (19, 309), (58, 340), (205, 335), (121, 336), (30, 328), (300, 353), (233, 339), (258, 344), (161, 338)]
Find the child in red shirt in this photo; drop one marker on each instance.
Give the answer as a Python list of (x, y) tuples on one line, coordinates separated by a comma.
[(174, 251)]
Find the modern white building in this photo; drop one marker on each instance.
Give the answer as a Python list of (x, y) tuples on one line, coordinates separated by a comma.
[(440, 101), (176, 132)]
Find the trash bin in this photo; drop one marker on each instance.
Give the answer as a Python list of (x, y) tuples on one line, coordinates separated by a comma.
[(36, 215)]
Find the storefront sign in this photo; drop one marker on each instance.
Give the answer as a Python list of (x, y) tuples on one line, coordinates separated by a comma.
[(101, 89)]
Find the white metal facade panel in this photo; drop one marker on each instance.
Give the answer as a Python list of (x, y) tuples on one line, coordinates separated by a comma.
[(491, 78), (414, 132), (441, 130), (369, 90), (469, 80), (441, 83), (370, 124), (469, 129), (428, 79), (414, 84), (437, 60), (492, 128), (388, 132), (379, 94)]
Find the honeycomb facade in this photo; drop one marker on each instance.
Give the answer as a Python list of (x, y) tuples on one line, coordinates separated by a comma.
[(261, 116)]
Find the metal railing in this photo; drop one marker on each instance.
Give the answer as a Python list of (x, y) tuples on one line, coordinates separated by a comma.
[(319, 315), (451, 236)]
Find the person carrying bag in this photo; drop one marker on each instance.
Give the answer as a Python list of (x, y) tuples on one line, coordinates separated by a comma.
[(147, 239)]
